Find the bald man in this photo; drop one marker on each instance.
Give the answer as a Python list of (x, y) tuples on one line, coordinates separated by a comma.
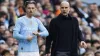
[(64, 34)]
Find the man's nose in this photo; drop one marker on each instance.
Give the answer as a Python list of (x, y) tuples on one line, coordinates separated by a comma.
[(64, 9), (31, 10)]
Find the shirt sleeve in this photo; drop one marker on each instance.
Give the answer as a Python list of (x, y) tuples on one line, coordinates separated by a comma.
[(16, 31), (43, 30), (80, 35), (52, 35)]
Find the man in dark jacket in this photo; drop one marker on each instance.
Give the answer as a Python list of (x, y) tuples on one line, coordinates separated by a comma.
[(64, 34)]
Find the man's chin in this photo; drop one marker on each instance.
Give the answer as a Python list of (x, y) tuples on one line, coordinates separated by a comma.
[(31, 14), (65, 14)]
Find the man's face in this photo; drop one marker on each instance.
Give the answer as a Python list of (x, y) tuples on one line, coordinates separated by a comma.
[(10, 41), (3, 47), (65, 8), (30, 9), (7, 34), (2, 19), (2, 28)]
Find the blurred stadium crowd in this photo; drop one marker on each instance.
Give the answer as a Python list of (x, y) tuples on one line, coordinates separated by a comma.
[(88, 17)]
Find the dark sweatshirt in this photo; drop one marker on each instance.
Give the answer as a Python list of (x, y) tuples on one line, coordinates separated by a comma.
[(65, 29), (64, 35)]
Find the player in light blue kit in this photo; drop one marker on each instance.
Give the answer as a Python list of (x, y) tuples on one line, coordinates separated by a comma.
[(26, 31)]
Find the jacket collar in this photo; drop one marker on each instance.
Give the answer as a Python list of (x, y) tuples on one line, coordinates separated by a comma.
[(61, 16)]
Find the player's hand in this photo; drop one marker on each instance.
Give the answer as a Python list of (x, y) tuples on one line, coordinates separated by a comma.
[(29, 38), (36, 33)]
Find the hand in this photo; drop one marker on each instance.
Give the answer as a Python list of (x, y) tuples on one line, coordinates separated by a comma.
[(30, 38), (36, 33), (83, 44)]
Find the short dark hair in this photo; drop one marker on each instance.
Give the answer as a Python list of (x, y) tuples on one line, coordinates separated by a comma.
[(4, 52), (96, 29), (2, 13), (98, 52), (30, 2), (2, 24)]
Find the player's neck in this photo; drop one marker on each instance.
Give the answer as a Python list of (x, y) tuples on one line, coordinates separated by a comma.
[(29, 16)]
